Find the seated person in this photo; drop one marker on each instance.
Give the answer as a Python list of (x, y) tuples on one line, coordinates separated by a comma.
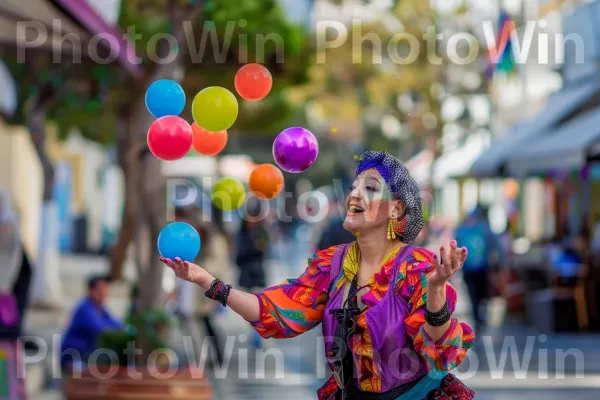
[(568, 266), (89, 320)]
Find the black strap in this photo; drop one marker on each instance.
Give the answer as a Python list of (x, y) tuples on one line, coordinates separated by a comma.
[(346, 321), (355, 394), (345, 369)]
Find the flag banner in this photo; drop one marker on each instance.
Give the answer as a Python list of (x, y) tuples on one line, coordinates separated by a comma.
[(500, 54)]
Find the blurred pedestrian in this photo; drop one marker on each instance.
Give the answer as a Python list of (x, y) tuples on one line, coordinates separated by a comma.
[(485, 252), (569, 263), (252, 244), (273, 231), (194, 307), (595, 243), (15, 279), (506, 243), (15, 270), (593, 283), (552, 248), (508, 280), (90, 318), (11, 251), (217, 258)]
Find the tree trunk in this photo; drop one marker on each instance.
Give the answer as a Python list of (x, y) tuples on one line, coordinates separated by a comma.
[(145, 193), (129, 162), (154, 209), (47, 286), (128, 226)]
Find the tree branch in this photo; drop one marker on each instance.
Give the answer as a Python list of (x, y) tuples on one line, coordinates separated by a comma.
[(178, 14), (162, 71), (36, 124)]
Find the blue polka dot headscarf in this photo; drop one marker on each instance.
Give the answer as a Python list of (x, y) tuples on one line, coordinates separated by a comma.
[(403, 186)]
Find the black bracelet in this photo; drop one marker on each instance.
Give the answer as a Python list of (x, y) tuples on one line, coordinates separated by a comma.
[(210, 293), (439, 318), (218, 291), (226, 295)]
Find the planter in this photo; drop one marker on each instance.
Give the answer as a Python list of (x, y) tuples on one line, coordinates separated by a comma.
[(100, 383)]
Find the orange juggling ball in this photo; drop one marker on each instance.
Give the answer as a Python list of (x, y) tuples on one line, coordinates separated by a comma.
[(253, 82), (266, 181), (206, 142)]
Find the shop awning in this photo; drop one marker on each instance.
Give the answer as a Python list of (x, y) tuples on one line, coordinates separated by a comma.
[(558, 107), (51, 21), (567, 147), (32, 23), (458, 163)]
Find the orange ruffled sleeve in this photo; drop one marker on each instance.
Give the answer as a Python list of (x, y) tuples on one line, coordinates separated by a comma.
[(297, 305), (449, 351)]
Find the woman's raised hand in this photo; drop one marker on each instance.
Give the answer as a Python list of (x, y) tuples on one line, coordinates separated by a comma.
[(189, 271), (447, 264)]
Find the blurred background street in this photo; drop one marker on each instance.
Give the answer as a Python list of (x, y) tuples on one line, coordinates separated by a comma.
[(493, 106)]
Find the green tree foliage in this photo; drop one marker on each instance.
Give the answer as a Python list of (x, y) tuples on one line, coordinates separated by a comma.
[(368, 72), (226, 35)]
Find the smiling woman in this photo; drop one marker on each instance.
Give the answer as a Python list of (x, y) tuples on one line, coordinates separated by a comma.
[(385, 305), (366, 212)]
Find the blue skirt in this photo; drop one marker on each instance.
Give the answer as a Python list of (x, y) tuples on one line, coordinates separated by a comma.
[(421, 390)]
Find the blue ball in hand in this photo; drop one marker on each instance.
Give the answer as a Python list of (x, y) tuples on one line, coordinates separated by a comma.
[(179, 239)]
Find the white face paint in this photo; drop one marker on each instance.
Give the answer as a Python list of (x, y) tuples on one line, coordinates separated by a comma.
[(369, 206)]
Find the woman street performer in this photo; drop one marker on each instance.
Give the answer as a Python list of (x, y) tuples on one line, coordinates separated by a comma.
[(386, 306)]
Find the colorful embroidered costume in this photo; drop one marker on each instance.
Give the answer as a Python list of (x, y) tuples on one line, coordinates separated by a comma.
[(298, 305), (390, 355)]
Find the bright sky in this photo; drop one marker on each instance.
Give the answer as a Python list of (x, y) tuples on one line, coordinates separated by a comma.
[(297, 10), (108, 9), (352, 9), (355, 9)]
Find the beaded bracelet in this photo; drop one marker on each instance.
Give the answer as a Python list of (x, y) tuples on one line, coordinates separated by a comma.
[(219, 292), (439, 318), (214, 286)]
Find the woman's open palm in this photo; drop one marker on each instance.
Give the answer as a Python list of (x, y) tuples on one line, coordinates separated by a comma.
[(448, 264), (185, 270)]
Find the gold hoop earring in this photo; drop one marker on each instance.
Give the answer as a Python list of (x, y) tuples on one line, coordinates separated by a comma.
[(391, 233)]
